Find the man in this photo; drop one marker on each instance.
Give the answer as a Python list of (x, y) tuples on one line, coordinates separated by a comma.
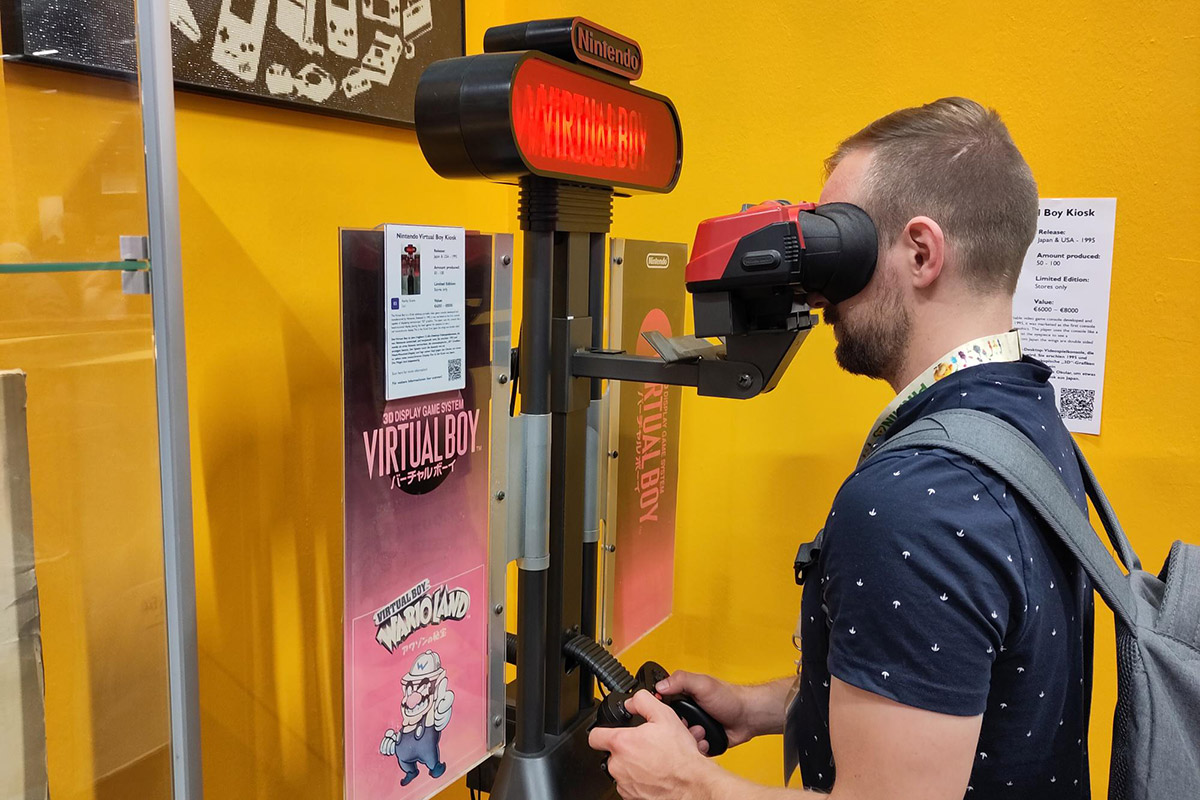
[(945, 636)]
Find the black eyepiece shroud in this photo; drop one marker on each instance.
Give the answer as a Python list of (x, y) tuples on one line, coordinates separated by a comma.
[(840, 250)]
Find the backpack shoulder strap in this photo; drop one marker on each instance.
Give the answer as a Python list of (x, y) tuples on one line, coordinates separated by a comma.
[(1007, 452), (1108, 517)]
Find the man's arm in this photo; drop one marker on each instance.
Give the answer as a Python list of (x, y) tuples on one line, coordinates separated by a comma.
[(883, 750)]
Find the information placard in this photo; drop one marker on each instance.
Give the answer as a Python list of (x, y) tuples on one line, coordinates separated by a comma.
[(424, 288), (417, 504), (639, 571), (1061, 302)]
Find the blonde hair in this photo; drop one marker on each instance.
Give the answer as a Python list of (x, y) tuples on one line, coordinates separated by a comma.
[(953, 161)]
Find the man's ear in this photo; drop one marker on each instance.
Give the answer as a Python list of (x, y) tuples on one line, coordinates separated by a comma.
[(924, 246)]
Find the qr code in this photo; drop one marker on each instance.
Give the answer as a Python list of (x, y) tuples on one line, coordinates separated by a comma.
[(454, 369), (1078, 403)]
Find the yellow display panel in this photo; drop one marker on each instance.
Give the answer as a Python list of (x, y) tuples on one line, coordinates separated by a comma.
[(87, 352), (72, 173), (72, 182)]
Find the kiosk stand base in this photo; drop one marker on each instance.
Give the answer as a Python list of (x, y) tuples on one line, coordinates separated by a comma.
[(566, 770)]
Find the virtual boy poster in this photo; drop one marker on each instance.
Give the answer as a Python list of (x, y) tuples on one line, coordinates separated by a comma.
[(416, 514)]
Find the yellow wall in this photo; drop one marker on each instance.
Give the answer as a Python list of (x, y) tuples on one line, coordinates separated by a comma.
[(1104, 102), (263, 192)]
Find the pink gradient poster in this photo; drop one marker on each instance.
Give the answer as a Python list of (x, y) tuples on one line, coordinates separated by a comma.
[(652, 299), (416, 524)]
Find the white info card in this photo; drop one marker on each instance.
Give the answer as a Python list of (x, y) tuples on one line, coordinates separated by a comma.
[(1061, 303), (424, 295)]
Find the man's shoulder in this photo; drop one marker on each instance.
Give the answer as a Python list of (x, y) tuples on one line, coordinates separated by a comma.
[(920, 496), (907, 474), (1016, 393)]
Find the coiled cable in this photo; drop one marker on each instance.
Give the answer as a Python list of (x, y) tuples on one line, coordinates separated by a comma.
[(591, 654)]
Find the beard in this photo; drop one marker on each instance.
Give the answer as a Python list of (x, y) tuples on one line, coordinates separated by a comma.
[(873, 343)]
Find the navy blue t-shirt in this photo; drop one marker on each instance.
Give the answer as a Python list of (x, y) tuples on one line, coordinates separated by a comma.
[(938, 588)]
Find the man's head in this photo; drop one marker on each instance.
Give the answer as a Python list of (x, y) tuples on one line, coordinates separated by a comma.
[(955, 206)]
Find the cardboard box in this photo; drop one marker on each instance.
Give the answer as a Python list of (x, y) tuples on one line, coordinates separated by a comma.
[(22, 705)]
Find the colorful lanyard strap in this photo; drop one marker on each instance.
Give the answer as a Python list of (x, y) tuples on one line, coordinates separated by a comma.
[(984, 350)]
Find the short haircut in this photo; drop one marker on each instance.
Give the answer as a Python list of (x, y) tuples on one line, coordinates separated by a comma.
[(953, 161)]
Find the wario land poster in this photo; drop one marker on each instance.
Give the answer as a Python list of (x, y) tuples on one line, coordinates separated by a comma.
[(416, 512)]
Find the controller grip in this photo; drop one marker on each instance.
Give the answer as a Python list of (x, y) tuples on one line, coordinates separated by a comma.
[(613, 714), (692, 714)]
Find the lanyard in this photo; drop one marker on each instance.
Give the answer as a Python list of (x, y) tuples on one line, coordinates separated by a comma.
[(984, 350)]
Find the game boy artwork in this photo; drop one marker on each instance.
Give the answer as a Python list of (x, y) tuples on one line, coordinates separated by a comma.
[(297, 20), (237, 46), (358, 57)]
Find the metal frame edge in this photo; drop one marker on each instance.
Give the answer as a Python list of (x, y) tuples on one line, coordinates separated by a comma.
[(608, 536), (502, 496), (170, 369)]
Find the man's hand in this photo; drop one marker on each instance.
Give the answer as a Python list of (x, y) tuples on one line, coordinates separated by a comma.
[(883, 750), (745, 711), (657, 760)]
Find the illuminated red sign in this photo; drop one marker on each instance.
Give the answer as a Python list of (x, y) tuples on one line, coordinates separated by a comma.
[(570, 125)]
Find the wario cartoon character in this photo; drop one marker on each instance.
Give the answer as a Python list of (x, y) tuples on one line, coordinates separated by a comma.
[(425, 709)]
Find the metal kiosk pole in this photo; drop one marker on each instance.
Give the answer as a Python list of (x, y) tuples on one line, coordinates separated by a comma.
[(549, 106), (563, 224)]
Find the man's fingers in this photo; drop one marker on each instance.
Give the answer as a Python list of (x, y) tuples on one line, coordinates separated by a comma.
[(697, 733), (675, 683), (649, 708), (693, 683), (603, 738)]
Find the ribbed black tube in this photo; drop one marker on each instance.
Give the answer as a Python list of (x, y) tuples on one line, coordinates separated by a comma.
[(608, 669), (603, 664)]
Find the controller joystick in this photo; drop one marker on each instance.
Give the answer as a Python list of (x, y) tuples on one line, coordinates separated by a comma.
[(613, 713), (649, 675)]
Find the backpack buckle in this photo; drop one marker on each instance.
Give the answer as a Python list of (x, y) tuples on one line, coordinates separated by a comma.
[(807, 556)]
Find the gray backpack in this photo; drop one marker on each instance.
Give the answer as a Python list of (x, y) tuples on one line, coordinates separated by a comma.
[(1156, 730)]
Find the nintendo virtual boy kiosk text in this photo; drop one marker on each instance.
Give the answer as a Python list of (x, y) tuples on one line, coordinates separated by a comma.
[(549, 106)]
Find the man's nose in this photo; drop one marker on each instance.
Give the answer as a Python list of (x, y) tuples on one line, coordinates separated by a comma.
[(817, 300)]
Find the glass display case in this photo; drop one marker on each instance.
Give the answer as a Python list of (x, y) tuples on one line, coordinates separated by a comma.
[(96, 603)]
